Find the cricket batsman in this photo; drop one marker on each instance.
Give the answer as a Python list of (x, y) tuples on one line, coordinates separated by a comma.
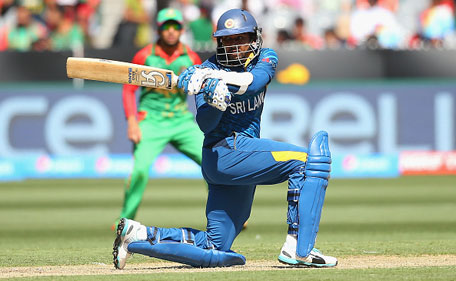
[(236, 160), (162, 116)]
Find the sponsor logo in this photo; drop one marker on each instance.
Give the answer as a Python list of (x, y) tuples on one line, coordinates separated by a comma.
[(174, 165), (271, 61), (43, 164), (163, 165), (153, 79), (364, 166), (427, 163), (251, 104), (229, 23), (132, 75), (59, 165), (113, 165)]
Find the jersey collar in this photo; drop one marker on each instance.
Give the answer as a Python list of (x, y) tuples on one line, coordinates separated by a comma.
[(169, 58)]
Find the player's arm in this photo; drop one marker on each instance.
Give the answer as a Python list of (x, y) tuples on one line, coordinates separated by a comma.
[(207, 117), (129, 100), (211, 103), (193, 78), (130, 109), (262, 73), (240, 83)]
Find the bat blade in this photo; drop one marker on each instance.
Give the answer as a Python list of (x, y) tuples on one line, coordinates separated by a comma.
[(120, 72)]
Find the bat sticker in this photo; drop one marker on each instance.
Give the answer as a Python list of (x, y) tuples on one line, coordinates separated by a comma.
[(132, 75), (169, 79), (151, 79)]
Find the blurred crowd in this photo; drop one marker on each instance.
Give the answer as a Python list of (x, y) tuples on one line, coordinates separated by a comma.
[(58, 25)]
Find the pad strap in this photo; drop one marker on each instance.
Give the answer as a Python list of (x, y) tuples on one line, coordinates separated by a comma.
[(187, 236), (153, 235), (293, 195), (292, 215)]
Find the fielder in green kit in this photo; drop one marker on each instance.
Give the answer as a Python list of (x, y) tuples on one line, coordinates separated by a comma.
[(162, 116)]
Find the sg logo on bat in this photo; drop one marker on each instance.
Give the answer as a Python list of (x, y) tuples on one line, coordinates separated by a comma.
[(156, 79)]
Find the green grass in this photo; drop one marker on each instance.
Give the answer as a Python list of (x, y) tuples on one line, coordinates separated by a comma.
[(67, 222), (403, 274)]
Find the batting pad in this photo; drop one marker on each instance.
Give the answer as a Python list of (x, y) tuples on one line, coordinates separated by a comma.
[(187, 254), (313, 192)]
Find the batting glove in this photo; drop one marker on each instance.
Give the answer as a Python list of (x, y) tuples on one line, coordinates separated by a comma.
[(216, 94), (185, 76), (192, 79)]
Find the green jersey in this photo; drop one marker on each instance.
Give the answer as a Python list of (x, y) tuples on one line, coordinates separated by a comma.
[(164, 119), (161, 104)]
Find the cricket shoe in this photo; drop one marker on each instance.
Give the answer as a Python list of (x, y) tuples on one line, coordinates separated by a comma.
[(314, 259), (127, 231)]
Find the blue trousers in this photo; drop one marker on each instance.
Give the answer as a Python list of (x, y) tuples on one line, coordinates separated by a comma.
[(233, 168)]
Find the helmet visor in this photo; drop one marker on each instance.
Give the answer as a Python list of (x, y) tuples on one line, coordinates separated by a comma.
[(234, 55), (235, 51)]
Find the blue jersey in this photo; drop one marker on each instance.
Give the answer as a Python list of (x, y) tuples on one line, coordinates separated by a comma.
[(243, 115)]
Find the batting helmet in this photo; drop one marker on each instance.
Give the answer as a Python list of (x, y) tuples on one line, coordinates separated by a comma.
[(232, 22)]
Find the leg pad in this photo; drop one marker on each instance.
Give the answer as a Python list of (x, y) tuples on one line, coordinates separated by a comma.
[(313, 192), (187, 254)]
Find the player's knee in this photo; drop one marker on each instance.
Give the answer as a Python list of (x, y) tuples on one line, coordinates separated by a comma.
[(319, 158), (140, 172), (318, 167), (222, 239), (213, 174)]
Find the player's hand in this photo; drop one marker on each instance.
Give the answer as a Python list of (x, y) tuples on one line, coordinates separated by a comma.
[(192, 79), (216, 94), (184, 77), (133, 130)]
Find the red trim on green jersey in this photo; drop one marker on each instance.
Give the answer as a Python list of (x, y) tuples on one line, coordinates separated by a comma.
[(193, 56)]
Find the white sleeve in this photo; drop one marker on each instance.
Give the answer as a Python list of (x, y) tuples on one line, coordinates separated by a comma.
[(241, 79)]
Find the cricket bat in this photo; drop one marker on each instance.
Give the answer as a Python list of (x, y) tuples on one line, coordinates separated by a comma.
[(120, 72), (147, 76)]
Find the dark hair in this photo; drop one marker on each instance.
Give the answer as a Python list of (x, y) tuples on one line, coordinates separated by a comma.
[(300, 21), (372, 2)]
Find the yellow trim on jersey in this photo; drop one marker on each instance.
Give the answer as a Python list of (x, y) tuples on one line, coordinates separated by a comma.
[(282, 156), (251, 56)]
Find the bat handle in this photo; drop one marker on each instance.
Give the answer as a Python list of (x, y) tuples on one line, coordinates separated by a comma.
[(174, 79)]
